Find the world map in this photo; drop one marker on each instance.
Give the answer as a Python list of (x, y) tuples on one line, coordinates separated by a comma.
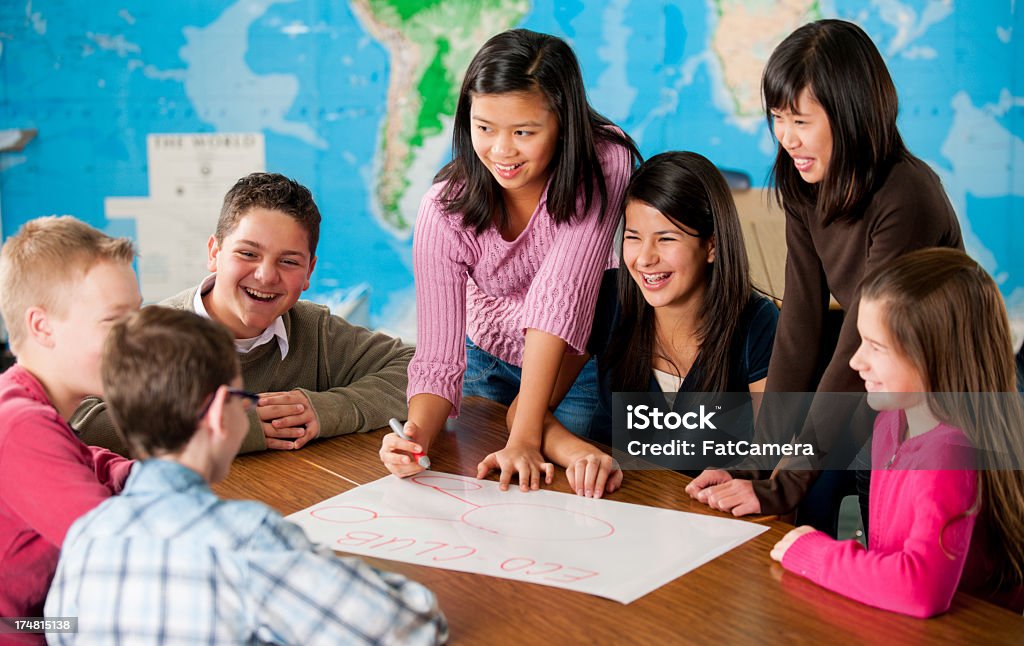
[(355, 100)]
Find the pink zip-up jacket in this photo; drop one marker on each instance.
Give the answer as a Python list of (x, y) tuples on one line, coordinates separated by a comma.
[(920, 529)]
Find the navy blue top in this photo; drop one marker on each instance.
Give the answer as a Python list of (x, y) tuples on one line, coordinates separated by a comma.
[(749, 353)]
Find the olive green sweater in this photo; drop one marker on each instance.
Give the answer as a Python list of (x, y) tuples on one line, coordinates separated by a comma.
[(355, 379)]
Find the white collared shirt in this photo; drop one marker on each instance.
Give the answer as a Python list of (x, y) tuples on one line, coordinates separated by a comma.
[(244, 346)]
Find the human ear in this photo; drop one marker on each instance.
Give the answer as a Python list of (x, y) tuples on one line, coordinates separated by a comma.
[(38, 324), (711, 249), (214, 417), (212, 249), (312, 265)]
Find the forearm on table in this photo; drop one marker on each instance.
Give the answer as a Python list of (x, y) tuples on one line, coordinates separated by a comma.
[(783, 491), (362, 406), (542, 360), (569, 370), (560, 445)]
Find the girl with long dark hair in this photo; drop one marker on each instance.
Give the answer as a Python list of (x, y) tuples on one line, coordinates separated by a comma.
[(688, 319), (508, 252)]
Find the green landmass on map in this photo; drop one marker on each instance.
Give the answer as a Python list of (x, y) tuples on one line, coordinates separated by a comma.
[(430, 45)]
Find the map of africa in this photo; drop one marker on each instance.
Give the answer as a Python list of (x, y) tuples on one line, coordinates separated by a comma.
[(355, 100)]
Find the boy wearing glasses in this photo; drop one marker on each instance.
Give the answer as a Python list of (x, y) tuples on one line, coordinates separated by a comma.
[(169, 561), (318, 375)]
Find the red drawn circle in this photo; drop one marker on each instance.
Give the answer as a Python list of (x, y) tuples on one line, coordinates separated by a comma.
[(343, 514)]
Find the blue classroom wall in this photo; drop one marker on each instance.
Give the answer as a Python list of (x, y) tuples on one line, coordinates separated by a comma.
[(354, 99)]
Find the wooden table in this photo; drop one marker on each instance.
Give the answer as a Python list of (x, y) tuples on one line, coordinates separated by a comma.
[(740, 597)]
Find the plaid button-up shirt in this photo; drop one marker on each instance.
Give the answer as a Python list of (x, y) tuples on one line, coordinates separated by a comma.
[(168, 561)]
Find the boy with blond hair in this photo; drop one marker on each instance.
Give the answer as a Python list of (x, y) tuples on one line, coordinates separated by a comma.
[(169, 561), (317, 374), (62, 285)]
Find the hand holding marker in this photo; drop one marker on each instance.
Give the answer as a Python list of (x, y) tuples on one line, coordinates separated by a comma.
[(421, 459)]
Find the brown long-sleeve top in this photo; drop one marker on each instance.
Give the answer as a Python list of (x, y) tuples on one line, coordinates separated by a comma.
[(909, 211)]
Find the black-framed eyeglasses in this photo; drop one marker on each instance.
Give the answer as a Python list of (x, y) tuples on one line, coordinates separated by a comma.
[(251, 400)]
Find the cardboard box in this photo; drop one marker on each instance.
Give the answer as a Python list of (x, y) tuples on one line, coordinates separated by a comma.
[(764, 233)]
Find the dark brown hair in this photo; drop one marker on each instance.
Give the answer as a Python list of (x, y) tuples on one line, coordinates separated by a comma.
[(947, 317), (522, 61), (840, 66), (274, 192), (160, 367), (688, 190)]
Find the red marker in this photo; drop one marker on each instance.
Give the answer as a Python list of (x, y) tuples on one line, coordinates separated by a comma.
[(421, 459)]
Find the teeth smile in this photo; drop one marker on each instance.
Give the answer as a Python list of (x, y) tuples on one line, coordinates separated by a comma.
[(507, 167), (652, 279), (258, 295)]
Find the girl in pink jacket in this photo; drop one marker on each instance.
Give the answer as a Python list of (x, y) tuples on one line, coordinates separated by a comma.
[(947, 490)]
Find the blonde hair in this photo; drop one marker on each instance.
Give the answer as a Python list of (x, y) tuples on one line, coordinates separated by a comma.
[(947, 317), (46, 255)]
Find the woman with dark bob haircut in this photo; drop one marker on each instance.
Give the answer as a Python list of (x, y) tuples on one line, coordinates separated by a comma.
[(855, 198)]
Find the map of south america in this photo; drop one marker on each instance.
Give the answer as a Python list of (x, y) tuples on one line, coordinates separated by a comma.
[(430, 45)]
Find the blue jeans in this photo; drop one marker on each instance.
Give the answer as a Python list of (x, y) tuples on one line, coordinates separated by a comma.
[(490, 377)]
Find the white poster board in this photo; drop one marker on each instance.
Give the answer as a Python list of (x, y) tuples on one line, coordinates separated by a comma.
[(610, 549)]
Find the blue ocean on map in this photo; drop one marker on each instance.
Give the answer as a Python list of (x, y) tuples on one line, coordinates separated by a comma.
[(95, 79)]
